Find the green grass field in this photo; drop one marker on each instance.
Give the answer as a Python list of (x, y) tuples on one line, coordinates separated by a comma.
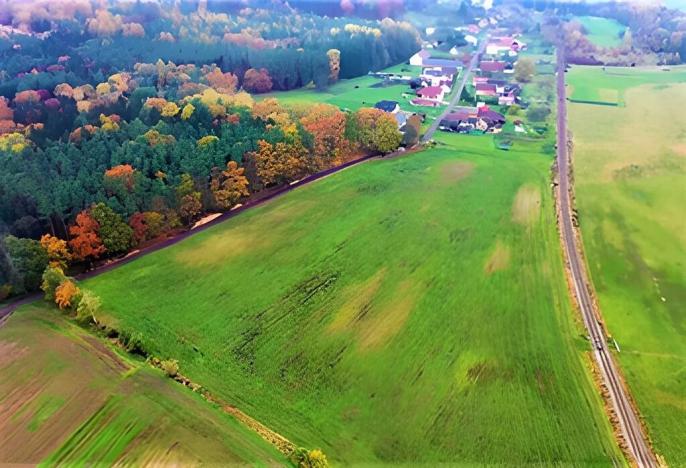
[(364, 91), (607, 85), (405, 310), (603, 32), (630, 172), (67, 398)]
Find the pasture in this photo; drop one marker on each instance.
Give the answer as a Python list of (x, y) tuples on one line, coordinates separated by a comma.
[(607, 85), (630, 173), (405, 310), (68, 398), (364, 91), (603, 32)]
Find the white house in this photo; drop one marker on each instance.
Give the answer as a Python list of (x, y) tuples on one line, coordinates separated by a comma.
[(471, 39), (418, 58)]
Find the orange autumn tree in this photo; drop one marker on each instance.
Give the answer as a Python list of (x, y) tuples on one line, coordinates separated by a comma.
[(122, 174), (222, 82), (85, 243), (65, 294), (57, 250), (229, 186), (326, 123)]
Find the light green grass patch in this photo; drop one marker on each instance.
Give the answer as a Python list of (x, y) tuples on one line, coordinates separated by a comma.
[(630, 174), (603, 32)]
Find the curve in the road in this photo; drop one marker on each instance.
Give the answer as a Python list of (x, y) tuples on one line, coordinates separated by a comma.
[(629, 422)]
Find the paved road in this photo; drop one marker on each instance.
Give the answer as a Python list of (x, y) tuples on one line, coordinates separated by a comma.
[(628, 419), (456, 97)]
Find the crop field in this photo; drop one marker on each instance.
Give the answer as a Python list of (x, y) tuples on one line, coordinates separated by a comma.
[(630, 172), (68, 398), (607, 85), (603, 32), (404, 310)]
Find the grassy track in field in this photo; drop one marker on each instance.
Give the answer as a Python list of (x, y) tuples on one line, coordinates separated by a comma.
[(67, 398), (630, 173), (603, 32), (404, 310)]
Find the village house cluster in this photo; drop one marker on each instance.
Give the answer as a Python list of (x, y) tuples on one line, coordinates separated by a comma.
[(491, 86)]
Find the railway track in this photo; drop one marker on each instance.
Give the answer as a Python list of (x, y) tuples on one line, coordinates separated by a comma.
[(629, 423)]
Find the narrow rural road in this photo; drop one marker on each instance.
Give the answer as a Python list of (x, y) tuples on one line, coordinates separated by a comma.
[(629, 423), (456, 98)]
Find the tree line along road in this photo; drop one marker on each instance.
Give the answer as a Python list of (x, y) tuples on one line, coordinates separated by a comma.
[(628, 420)]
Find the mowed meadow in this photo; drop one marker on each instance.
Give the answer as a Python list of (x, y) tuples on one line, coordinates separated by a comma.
[(630, 173), (67, 398), (405, 310)]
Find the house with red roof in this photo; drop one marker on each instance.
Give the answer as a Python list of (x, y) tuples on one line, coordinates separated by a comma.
[(424, 102), (486, 89), (432, 93), (504, 44), (492, 66)]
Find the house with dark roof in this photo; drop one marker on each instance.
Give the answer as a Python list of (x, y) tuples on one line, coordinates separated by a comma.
[(491, 117), (468, 119), (439, 62), (391, 107)]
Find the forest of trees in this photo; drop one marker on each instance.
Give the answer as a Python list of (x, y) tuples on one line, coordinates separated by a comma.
[(292, 47), (655, 34), (94, 165)]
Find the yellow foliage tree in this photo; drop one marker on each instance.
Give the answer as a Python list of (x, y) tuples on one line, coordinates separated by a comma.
[(230, 186), (187, 111), (57, 250), (14, 142), (65, 294), (170, 109), (108, 123), (206, 140)]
